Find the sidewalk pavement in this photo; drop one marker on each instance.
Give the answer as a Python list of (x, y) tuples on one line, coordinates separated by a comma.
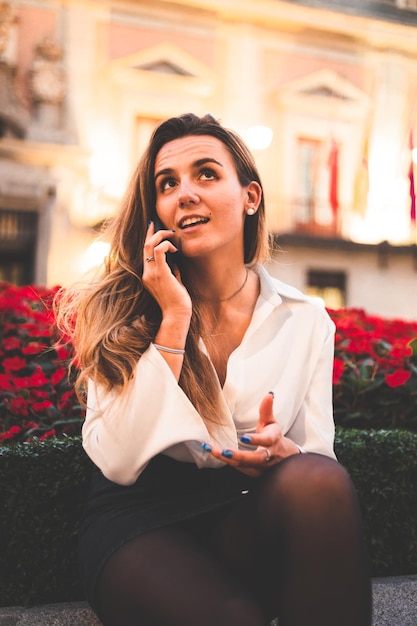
[(395, 601), (395, 604)]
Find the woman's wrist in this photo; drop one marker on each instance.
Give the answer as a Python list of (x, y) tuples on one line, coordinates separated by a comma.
[(293, 448), (172, 334), (300, 449), (169, 350)]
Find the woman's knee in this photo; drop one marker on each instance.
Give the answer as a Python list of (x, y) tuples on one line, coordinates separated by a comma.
[(307, 480), (322, 472)]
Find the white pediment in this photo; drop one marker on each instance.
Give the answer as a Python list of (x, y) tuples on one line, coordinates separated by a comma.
[(165, 58), (325, 83), (320, 90)]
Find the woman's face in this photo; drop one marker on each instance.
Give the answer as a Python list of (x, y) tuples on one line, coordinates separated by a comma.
[(198, 194)]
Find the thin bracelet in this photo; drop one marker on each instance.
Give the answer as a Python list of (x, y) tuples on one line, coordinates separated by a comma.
[(170, 350)]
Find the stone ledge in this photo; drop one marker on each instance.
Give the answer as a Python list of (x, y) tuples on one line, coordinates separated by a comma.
[(395, 604), (395, 601), (63, 614)]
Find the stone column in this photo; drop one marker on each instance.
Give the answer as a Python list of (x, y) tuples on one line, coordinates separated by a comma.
[(242, 77)]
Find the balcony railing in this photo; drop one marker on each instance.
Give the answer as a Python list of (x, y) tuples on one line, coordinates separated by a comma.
[(312, 218)]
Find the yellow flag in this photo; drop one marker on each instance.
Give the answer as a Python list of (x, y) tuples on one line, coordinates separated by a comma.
[(361, 185)]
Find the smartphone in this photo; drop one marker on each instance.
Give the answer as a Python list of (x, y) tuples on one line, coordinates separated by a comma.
[(159, 226)]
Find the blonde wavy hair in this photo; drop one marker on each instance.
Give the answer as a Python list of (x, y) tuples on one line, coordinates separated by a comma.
[(112, 319)]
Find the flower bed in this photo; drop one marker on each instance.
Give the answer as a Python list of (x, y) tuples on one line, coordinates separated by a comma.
[(375, 370), (37, 398)]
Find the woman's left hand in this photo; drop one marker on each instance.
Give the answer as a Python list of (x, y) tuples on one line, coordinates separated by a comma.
[(272, 446)]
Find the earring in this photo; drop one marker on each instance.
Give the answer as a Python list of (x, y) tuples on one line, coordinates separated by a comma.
[(251, 211)]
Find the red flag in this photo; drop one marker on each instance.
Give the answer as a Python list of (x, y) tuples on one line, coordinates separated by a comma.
[(333, 164), (412, 186)]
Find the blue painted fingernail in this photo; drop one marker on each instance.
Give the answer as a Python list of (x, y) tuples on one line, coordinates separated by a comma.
[(245, 439), (149, 223), (206, 447), (228, 454)]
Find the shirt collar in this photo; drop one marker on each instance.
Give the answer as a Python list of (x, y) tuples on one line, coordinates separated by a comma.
[(274, 290)]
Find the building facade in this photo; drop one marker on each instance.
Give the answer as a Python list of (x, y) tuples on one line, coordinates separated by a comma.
[(324, 92)]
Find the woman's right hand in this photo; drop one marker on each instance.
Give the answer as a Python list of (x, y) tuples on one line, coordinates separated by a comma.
[(163, 284)]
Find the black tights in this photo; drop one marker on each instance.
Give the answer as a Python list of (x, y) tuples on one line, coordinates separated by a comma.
[(293, 549)]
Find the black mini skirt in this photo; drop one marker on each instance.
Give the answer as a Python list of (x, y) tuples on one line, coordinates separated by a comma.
[(167, 492)]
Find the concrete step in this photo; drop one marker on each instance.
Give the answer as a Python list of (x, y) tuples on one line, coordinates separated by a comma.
[(395, 604)]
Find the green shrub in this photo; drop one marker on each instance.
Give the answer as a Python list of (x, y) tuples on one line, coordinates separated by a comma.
[(383, 467), (43, 486)]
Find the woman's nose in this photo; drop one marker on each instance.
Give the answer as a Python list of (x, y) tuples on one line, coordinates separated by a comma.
[(187, 195)]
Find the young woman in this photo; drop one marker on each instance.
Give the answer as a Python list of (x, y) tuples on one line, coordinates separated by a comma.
[(217, 499)]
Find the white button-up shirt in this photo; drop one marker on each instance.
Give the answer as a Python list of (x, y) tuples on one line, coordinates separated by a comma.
[(287, 348)]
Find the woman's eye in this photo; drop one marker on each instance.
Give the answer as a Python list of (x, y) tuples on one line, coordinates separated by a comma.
[(167, 183), (208, 174)]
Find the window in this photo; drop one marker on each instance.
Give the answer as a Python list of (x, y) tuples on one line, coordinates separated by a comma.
[(329, 286), (313, 211), (18, 233)]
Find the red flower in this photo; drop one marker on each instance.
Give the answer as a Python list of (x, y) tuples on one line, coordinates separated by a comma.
[(5, 383), (19, 406), (62, 351), (338, 369), (58, 375), (39, 393), (36, 330), (401, 352), (42, 406), (11, 343), (397, 378), (9, 434), (33, 348), (66, 400), (14, 363), (48, 434), (38, 379)]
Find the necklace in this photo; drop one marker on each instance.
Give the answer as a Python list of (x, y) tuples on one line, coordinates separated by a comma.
[(202, 299)]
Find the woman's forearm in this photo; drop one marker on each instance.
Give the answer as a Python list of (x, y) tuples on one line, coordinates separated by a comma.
[(172, 334)]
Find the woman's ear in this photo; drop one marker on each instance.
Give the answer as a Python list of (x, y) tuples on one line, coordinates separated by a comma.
[(253, 197)]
